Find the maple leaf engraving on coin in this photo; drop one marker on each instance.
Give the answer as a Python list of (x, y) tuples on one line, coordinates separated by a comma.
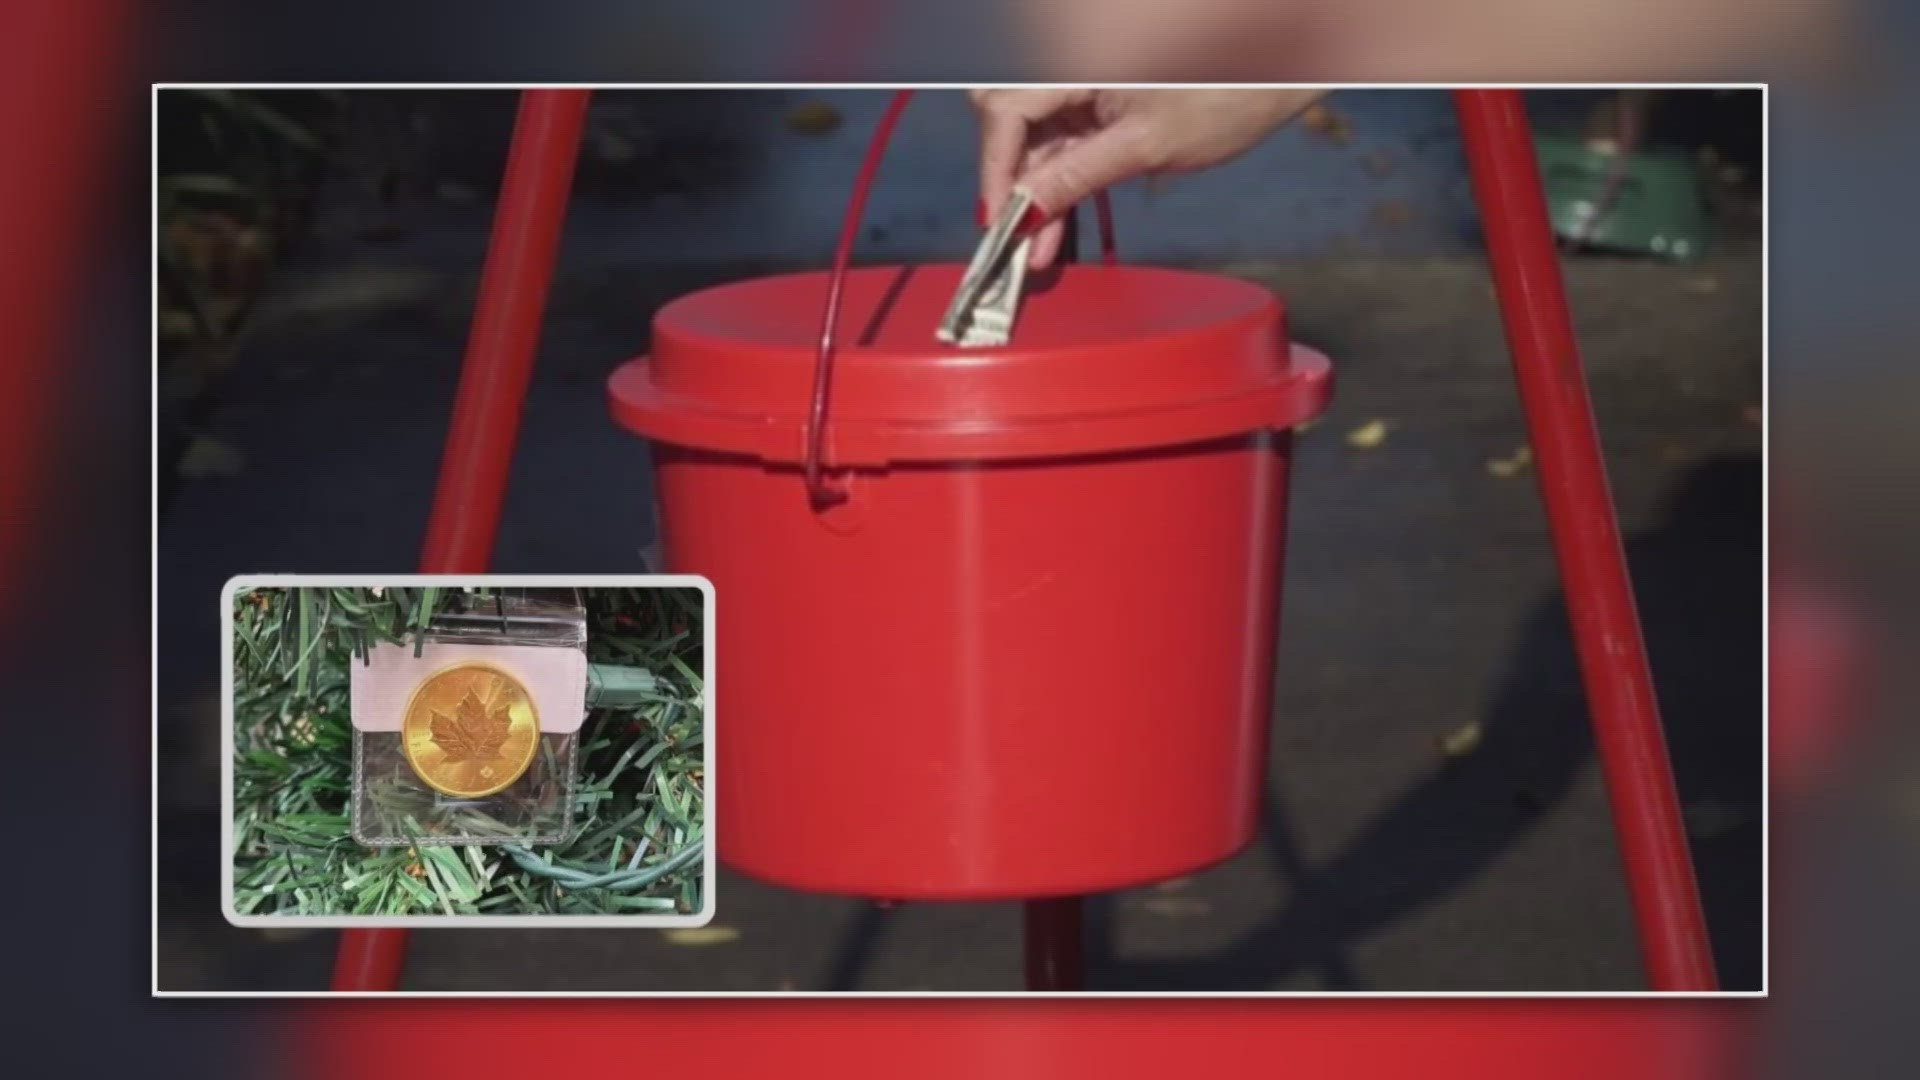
[(474, 732)]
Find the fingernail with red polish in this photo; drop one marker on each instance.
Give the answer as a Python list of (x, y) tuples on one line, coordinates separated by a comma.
[(1031, 221), (980, 213)]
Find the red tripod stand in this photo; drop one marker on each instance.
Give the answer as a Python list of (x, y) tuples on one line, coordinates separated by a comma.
[(1553, 392)]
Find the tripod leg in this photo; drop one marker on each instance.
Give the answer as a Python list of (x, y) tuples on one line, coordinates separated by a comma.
[(1586, 539), (486, 407), (1054, 947)]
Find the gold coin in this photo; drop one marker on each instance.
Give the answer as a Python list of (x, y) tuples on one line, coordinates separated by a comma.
[(470, 730)]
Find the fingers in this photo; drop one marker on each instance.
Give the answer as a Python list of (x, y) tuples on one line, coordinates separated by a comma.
[(1051, 236), (1003, 139), (1047, 243), (1087, 165), (1007, 118)]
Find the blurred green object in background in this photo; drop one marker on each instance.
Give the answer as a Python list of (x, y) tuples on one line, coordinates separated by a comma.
[(1645, 201)]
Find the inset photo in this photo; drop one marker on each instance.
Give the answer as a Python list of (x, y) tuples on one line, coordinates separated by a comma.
[(451, 751)]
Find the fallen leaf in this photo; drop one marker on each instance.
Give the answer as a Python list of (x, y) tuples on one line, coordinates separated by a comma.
[(1175, 884), (1328, 124), (1512, 465), (1391, 214), (813, 118), (1368, 435), (206, 457), (1462, 740), (700, 936)]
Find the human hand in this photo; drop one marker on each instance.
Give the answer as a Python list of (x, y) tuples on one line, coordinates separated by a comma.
[(1064, 144)]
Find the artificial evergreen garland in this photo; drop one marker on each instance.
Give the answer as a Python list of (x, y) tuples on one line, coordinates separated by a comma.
[(639, 814)]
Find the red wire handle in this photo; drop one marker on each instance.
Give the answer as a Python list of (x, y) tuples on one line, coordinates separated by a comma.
[(819, 493), (1103, 210)]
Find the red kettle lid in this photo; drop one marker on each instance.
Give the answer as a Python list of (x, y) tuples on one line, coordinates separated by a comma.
[(1103, 358)]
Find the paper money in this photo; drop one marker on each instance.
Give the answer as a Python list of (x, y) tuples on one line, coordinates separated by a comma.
[(992, 276), (992, 322)]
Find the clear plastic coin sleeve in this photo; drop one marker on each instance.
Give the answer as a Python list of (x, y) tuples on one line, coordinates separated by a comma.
[(468, 732)]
